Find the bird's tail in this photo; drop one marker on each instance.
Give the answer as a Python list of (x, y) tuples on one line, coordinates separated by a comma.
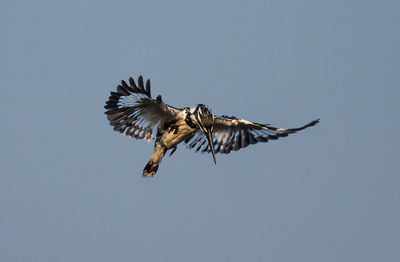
[(152, 166)]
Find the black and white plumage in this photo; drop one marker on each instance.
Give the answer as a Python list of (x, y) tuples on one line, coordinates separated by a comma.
[(132, 111)]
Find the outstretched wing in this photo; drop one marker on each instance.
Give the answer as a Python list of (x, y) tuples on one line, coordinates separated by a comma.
[(132, 111), (232, 134)]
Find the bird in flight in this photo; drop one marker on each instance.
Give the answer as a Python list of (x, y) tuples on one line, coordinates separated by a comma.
[(132, 111)]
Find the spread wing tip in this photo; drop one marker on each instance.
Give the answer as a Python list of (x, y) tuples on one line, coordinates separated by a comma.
[(131, 110), (122, 110), (312, 123), (293, 130)]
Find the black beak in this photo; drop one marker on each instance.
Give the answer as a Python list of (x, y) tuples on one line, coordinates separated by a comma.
[(209, 136)]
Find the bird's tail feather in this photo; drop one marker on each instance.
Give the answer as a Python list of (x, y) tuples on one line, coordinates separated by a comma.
[(152, 166), (150, 169)]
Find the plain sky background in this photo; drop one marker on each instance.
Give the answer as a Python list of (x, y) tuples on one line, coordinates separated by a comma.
[(71, 187)]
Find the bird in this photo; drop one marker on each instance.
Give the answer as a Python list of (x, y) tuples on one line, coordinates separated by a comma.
[(132, 110)]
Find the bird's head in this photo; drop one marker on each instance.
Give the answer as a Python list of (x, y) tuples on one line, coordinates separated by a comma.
[(204, 116), (205, 121)]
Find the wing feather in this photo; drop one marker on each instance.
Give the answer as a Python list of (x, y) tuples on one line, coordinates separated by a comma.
[(132, 111), (233, 134)]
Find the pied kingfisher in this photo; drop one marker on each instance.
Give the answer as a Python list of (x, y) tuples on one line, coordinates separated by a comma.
[(132, 111)]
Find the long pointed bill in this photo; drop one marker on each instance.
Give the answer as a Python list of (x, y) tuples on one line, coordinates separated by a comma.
[(210, 143)]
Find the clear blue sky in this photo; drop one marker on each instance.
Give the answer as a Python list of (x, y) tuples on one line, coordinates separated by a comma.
[(71, 188)]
